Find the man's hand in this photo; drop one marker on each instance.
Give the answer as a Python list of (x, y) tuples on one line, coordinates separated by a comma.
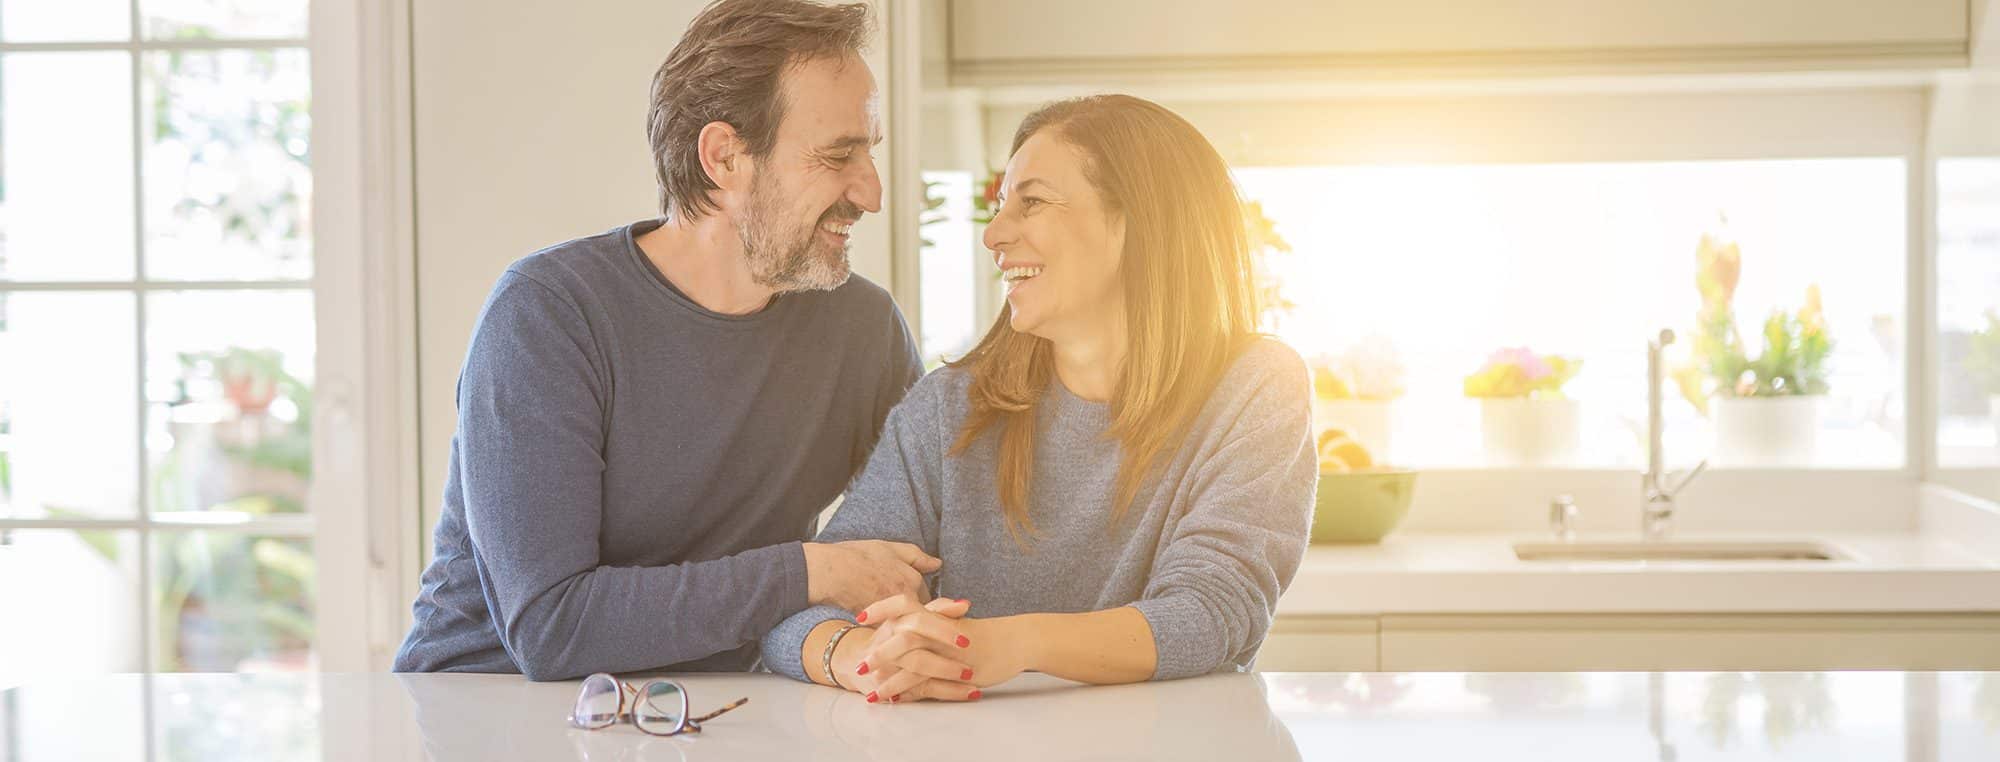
[(853, 574)]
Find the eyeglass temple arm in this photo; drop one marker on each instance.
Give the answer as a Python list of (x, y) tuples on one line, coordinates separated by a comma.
[(718, 712)]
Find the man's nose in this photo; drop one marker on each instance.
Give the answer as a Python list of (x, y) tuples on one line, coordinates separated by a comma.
[(866, 190)]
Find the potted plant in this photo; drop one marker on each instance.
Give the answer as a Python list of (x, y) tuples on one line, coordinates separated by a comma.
[(1766, 408), (987, 204), (1524, 419), (1356, 389), (1982, 361)]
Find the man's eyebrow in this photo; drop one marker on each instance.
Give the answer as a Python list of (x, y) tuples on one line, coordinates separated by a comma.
[(850, 141)]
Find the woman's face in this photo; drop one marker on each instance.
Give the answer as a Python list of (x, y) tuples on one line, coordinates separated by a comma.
[(1057, 246)]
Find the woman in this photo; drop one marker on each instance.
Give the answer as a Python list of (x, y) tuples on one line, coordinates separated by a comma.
[(1120, 475)]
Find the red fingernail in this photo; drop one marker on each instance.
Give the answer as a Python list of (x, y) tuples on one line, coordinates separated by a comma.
[(966, 675), (871, 697), (973, 696), (861, 617), (963, 642), (861, 670), (896, 699)]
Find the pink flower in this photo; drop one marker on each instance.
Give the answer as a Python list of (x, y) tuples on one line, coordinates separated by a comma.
[(1533, 368)]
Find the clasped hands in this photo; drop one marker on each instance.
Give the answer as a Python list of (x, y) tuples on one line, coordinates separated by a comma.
[(906, 650)]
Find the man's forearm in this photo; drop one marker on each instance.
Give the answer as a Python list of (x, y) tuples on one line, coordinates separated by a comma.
[(1102, 647), (617, 619)]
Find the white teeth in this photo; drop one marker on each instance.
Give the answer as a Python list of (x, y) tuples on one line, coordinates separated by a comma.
[(836, 229), (1020, 273)]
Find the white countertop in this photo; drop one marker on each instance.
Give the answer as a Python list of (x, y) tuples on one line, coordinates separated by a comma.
[(1919, 717), (1478, 573)]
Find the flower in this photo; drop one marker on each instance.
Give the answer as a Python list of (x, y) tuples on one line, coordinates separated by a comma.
[(1812, 320), (1718, 267), (1796, 344), (1519, 372), (1532, 368)]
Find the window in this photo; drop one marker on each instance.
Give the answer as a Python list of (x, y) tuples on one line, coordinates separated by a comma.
[(157, 336), (952, 278), (1436, 268), (1968, 247)]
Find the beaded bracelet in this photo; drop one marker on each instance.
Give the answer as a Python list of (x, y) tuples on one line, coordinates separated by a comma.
[(826, 660)]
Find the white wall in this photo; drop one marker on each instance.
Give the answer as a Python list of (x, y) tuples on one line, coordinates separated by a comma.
[(530, 130)]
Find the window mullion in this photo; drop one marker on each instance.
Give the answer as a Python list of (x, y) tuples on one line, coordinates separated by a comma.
[(142, 496)]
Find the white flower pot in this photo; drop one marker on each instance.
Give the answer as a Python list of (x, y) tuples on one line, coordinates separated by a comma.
[(1766, 432), (1367, 421), (1530, 432)]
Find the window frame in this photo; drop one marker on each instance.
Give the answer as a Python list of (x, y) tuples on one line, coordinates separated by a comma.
[(1602, 119), (363, 287)]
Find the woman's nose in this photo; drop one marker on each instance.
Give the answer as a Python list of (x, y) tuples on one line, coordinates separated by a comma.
[(999, 233)]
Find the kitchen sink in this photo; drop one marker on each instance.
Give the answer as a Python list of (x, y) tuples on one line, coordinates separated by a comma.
[(1676, 550)]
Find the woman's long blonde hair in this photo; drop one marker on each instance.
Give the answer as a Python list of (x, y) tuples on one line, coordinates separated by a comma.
[(1187, 276)]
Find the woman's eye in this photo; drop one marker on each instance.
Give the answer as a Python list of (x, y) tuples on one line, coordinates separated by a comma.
[(1030, 202)]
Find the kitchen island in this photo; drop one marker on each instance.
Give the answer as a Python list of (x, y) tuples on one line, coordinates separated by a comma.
[(1912, 716)]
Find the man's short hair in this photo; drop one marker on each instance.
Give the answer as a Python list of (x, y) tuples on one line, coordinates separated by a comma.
[(726, 69)]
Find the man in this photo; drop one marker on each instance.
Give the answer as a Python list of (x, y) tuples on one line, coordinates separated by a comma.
[(650, 419)]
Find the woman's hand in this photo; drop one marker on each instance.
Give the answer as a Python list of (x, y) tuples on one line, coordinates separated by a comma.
[(895, 657), (930, 651)]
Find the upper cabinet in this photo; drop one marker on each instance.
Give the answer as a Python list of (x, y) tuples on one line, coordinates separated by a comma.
[(1057, 41)]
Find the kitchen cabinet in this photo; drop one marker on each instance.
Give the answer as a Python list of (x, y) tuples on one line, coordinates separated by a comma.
[(1024, 41), (1321, 644), (1623, 642), (1632, 642)]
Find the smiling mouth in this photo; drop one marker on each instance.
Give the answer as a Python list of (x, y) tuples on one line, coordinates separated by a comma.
[(1019, 274), (837, 228)]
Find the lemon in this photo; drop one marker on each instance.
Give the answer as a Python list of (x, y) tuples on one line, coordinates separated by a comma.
[(1340, 453)]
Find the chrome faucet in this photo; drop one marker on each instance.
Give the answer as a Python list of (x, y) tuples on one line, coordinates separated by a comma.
[(1656, 502)]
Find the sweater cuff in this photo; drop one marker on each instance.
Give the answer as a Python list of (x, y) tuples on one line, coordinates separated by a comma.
[(792, 569), (782, 644), (1186, 637)]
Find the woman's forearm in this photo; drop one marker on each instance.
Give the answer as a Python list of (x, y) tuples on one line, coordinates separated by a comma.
[(1101, 647), (812, 653)]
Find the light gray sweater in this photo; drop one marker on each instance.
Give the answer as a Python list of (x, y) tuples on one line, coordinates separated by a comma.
[(1208, 545)]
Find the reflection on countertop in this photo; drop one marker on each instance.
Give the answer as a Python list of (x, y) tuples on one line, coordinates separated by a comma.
[(1914, 716)]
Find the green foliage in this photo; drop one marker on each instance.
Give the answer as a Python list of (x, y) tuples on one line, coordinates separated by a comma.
[(1793, 360), (239, 595), (1795, 345)]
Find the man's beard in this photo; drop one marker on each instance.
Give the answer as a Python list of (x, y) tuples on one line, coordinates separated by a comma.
[(792, 259)]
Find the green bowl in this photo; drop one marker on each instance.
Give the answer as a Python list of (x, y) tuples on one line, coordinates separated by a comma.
[(1361, 506)]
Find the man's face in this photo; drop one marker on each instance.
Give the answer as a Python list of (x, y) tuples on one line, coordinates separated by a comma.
[(817, 180)]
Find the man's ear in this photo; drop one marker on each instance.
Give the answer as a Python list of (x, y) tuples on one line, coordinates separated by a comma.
[(722, 156)]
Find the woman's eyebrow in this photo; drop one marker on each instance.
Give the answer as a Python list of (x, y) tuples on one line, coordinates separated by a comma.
[(1023, 185)]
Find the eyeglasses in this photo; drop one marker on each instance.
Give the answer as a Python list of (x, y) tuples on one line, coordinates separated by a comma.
[(658, 707)]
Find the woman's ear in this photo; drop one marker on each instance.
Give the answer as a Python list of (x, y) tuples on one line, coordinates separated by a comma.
[(722, 157)]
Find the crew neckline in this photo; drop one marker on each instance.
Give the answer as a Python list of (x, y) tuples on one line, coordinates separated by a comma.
[(680, 298)]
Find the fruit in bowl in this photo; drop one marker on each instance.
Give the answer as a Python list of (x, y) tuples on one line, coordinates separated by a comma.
[(1358, 500)]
